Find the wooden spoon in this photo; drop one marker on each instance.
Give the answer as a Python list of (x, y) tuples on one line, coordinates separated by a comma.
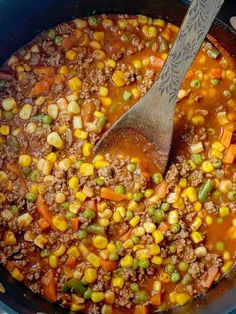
[(149, 124)]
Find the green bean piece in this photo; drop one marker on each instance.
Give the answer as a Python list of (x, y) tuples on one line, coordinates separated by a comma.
[(7, 115), (120, 189), (26, 171), (93, 21), (78, 164), (74, 285), (135, 239), (134, 287), (70, 215), (118, 272), (89, 213), (106, 309), (163, 45), (195, 84), (135, 264), (141, 297), (131, 167), (95, 229), (31, 197), (187, 279), (197, 159), (129, 214), (2, 84), (175, 228), (14, 210), (119, 245), (13, 142), (172, 248), (100, 123), (52, 33), (113, 257), (87, 294), (205, 189), (214, 82), (175, 277), (217, 164)]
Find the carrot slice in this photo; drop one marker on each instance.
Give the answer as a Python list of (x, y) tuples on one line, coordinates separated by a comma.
[(44, 70), (156, 299), (226, 137), (211, 274), (43, 224), (164, 226), (112, 196), (74, 224), (69, 42), (161, 190), (141, 309), (49, 289), (42, 87), (71, 262), (216, 73), (108, 265), (230, 154), (42, 208)]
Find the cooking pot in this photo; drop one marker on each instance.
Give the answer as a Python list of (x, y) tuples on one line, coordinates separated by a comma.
[(20, 21)]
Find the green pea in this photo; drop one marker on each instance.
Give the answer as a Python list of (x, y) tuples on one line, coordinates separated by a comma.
[(197, 159), (89, 213), (187, 279), (93, 21), (217, 164), (216, 193), (70, 215), (88, 293), (205, 189), (183, 266), (157, 178), (175, 228), (81, 234), (151, 210), (13, 142), (78, 164), (214, 82), (120, 189), (131, 167), (14, 210), (135, 239), (34, 176), (227, 93), (113, 257), (134, 287), (135, 264), (47, 119), (45, 253), (159, 215), (220, 246), (232, 196), (65, 205), (127, 95), (141, 297), (129, 214), (165, 207), (119, 245), (138, 196), (144, 263), (58, 40), (139, 78), (31, 197), (26, 171), (100, 181), (51, 33), (213, 53), (172, 248), (175, 277), (170, 268), (196, 84)]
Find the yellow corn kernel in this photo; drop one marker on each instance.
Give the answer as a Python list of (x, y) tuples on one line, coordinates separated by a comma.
[(192, 164), (135, 92), (224, 211), (25, 112), (99, 36), (55, 140), (106, 101), (137, 64), (8, 103), (40, 241), (53, 110), (111, 247), (87, 169), (127, 261), (217, 145), (134, 221), (16, 274), (25, 160), (74, 207), (60, 251), (157, 236), (104, 222), (118, 78), (100, 65), (87, 149), (157, 260), (230, 75), (9, 238), (207, 166), (159, 22), (138, 231), (97, 296), (90, 275), (142, 19), (182, 298), (226, 267), (196, 237), (81, 134), (122, 23), (183, 182), (146, 61), (215, 153), (64, 70), (88, 191), (117, 217), (152, 31), (80, 196), (132, 205), (154, 249), (107, 23), (103, 91), (73, 251), (73, 182), (101, 164), (111, 63), (73, 107), (208, 220), (59, 222), (148, 193), (94, 260), (75, 83), (164, 277), (149, 227), (101, 206), (196, 223), (173, 217), (64, 164), (226, 255), (191, 194), (71, 54), (80, 23), (179, 204), (100, 242), (53, 261), (197, 206), (118, 282), (128, 244), (4, 129), (25, 220), (95, 44), (77, 307)]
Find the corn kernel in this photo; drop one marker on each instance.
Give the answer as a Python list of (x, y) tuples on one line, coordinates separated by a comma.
[(73, 107), (40, 241), (157, 236), (179, 204), (191, 194), (73, 182), (4, 129), (74, 207), (97, 296), (164, 277), (9, 238), (53, 261), (118, 78), (224, 211), (117, 217), (226, 267), (16, 274), (77, 307), (81, 134), (80, 196), (103, 91), (51, 157), (101, 164), (64, 70), (128, 244), (25, 112), (55, 140), (73, 251), (94, 260), (173, 217), (183, 182), (157, 260), (154, 249), (134, 221), (87, 149), (118, 282), (59, 222), (137, 64), (127, 261), (75, 83), (71, 54), (25, 160), (60, 251), (218, 146), (90, 275), (149, 227), (207, 166), (196, 237), (111, 247), (25, 220), (182, 298), (8, 103), (100, 242), (132, 205), (197, 206), (159, 22), (87, 169), (196, 223)]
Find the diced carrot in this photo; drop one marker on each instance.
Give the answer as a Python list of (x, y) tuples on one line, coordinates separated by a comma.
[(74, 224), (111, 195), (44, 70), (226, 138), (210, 276), (108, 265), (71, 262), (157, 62), (230, 126), (230, 154), (42, 208), (161, 190), (156, 299), (164, 226), (49, 289), (69, 42), (67, 271), (141, 309), (10, 266), (59, 78), (43, 224), (42, 87), (146, 175), (126, 236), (189, 75), (216, 73), (90, 204), (14, 169)]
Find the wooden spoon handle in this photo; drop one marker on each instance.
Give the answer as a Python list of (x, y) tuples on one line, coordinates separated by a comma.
[(194, 28)]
